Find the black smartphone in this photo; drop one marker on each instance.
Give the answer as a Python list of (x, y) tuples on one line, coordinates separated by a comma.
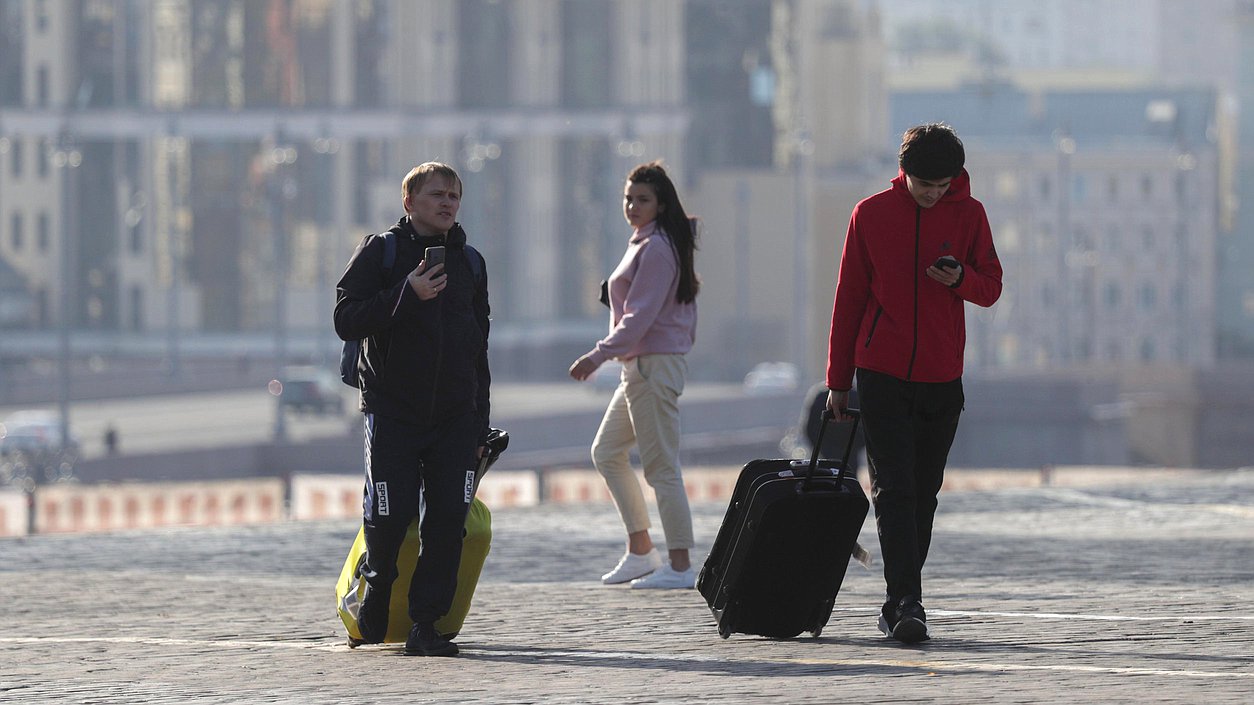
[(433, 256), (946, 262)]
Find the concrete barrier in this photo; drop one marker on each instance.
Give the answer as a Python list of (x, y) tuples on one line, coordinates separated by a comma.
[(89, 508), (708, 484), (505, 488), (317, 497), (71, 508), (14, 513)]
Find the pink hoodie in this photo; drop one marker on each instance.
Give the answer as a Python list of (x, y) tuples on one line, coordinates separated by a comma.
[(645, 318)]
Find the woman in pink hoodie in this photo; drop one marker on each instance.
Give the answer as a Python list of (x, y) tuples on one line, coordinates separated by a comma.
[(653, 322)]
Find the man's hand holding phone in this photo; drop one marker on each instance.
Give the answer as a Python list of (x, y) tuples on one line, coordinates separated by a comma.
[(946, 270), (428, 278)]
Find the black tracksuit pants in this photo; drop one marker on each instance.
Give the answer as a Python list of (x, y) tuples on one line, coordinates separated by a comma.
[(909, 428), (407, 470)]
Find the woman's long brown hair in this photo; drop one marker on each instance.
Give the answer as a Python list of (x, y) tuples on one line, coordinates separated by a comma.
[(672, 219)]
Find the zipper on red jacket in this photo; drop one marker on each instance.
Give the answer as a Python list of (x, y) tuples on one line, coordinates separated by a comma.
[(914, 345)]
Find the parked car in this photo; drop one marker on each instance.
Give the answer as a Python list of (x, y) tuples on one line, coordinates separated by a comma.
[(311, 390), (32, 448), (771, 378)]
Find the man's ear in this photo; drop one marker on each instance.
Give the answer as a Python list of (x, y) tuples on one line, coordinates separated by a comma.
[(407, 203)]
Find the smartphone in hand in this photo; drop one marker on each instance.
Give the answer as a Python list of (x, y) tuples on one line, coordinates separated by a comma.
[(433, 256), (946, 262)]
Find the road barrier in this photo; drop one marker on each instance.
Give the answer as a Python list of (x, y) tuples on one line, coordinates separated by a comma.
[(14, 513), (318, 497), (713, 484), (71, 508)]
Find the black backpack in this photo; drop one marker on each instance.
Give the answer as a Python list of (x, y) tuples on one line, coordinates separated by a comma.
[(351, 351)]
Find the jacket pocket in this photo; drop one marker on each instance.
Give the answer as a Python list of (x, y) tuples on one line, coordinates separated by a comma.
[(874, 322)]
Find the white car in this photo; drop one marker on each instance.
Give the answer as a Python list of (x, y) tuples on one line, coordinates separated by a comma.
[(771, 378), (32, 450), (34, 431)]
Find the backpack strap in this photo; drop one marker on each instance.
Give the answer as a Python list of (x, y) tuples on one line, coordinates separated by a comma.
[(475, 260), (389, 250)]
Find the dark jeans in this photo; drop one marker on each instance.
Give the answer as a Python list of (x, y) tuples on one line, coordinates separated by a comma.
[(409, 470), (908, 427)]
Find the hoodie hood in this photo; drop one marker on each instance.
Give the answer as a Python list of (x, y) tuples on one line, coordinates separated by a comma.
[(456, 237), (959, 188)]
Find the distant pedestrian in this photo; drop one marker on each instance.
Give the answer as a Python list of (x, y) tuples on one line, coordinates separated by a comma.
[(111, 440), (913, 255), (653, 319), (424, 382)]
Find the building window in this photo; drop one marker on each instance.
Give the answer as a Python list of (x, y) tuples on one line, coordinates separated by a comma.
[(1149, 297), (41, 15), (1147, 350), (15, 157), (1112, 244), (1044, 185), (16, 236), (43, 315), (1112, 187), (137, 308), (1079, 188), (42, 232), (587, 71), (41, 160), (1112, 296), (1147, 186), (41, 87)]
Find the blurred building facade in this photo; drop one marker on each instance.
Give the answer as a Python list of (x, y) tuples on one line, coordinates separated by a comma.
[(211, 164), (1160, 40)]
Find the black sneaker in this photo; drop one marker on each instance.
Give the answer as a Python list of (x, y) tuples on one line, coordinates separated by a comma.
[(425, 641), (372, 616), (906, 621)]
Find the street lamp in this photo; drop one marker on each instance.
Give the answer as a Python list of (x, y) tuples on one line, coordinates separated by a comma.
[(66, 156), (281, 189), (326, 148), (803, 151), (1065, 147)]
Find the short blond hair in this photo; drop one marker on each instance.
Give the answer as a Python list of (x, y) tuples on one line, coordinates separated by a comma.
[(420, 174)]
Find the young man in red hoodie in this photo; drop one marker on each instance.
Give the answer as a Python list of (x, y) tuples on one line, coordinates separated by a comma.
[(914, 255)]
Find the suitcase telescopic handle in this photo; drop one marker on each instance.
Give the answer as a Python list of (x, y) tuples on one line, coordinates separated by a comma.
[(826, 418)]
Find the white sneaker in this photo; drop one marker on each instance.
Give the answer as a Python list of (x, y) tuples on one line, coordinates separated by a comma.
[(633, 566), (667, 578)]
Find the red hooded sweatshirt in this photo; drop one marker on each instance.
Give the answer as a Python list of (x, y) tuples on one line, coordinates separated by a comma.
[(889, 316)]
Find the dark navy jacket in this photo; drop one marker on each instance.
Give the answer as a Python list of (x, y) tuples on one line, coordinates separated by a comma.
[(422, 362)]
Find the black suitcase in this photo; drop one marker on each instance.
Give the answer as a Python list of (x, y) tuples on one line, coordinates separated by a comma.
[(781, 553)]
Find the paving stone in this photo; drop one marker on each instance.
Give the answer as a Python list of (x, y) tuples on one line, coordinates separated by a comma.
[(1138, 591)]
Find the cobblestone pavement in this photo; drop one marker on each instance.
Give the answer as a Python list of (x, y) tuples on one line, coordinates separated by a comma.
[(1095, 594)]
